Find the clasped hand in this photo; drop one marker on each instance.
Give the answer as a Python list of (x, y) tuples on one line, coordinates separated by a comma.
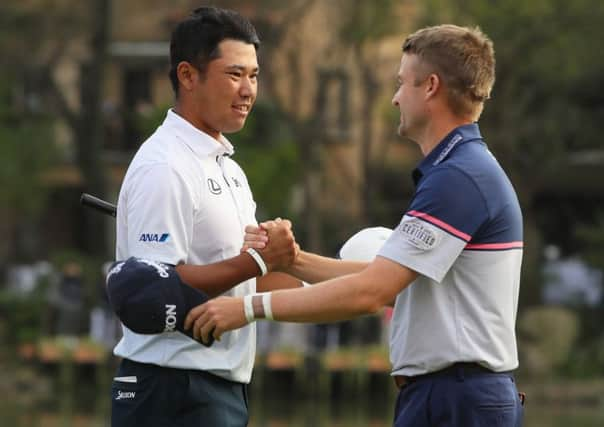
[(275, 242)]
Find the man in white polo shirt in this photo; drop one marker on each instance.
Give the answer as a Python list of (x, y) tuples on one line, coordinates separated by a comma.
[(452, 264), (185, 202)]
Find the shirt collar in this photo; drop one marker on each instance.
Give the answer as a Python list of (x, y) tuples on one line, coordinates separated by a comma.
[(198, 141), (454, 139)]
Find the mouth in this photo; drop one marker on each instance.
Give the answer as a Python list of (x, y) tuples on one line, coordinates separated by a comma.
[(242, 109)]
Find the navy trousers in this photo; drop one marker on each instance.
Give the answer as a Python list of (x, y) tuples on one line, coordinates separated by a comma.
[(459, 397), (153, 396)]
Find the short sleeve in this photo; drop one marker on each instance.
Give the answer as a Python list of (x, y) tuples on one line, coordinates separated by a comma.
[(160, 214), (446, 211)]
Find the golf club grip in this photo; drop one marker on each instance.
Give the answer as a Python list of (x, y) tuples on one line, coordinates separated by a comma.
[(98, 204)]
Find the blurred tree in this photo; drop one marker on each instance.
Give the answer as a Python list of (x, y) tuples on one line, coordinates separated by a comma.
[(267, 151), (369, 22), (36, 37), (26, 151), (547, 102)]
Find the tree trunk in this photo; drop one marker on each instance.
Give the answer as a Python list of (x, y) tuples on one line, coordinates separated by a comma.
[(89, 135)]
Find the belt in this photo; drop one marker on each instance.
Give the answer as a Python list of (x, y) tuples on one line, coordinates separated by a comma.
[(460, 369)]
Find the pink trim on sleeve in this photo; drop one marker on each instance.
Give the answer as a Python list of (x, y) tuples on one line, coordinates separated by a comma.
[(429, 218), (509, 245)]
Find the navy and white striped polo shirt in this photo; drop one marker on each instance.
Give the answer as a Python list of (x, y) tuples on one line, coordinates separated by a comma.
[(463, 234)]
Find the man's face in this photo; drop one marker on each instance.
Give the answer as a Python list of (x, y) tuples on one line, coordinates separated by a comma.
[(410, 98), (225, 95)]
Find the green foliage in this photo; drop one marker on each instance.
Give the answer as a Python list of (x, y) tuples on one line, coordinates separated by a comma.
[(368, 20), (26, 151), (21, 315), (266, 150)]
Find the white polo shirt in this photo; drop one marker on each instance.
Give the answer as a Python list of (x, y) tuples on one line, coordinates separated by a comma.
[(463, 234), (184, 199)]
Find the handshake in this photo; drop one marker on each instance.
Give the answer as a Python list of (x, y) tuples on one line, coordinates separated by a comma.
[(274, 241)]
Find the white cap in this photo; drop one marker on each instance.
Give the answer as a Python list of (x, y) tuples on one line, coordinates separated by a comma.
[(365, 244)]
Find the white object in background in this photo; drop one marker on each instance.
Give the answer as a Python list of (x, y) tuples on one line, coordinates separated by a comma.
[(364, 245)]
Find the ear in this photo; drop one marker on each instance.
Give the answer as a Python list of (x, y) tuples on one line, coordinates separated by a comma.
[(433, 85), (187, 75)]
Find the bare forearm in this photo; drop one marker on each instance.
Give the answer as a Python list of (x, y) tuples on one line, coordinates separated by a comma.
[(275, 281), (215, 279), (313, 268), (339, 299)]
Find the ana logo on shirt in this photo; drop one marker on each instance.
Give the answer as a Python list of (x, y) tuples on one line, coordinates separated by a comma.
[(154, 237)]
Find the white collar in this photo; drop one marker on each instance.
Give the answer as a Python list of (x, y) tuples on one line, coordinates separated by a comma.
[(198, 141)]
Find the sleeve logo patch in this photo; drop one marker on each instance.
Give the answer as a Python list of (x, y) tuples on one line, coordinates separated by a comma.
[(418, 234)]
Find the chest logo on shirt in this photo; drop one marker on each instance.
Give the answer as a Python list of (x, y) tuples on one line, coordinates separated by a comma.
[(419, 234), (154, 237), (214, 187)]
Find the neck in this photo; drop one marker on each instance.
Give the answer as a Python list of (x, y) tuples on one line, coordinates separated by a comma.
[(186, 112), (437, 130)]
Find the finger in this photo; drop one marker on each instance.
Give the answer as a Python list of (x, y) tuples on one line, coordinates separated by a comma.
[(268, 224), (207, 330), (217, 333), (255, 245), (203, 321), (256, 237), (254, 229), (193, 314)]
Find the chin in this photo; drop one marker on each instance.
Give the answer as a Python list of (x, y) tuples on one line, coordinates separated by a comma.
[(400, 131), (233, 128)]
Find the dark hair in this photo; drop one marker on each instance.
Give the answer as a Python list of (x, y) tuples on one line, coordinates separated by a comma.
[(196, 38)]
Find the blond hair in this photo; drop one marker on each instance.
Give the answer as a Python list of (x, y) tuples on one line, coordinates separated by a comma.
[(463, 58)]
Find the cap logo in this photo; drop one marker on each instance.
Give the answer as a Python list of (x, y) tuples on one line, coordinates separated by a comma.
[(159, 267), (116, 269), (170, 318), (418, 234)]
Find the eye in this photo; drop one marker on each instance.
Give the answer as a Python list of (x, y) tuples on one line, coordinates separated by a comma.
[(235, 74)]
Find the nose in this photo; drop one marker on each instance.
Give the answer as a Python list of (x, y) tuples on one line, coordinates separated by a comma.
[(395, 97), (247, 88)]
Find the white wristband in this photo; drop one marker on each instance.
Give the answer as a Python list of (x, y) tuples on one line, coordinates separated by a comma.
[(266, 303), (248, 309), (258, 260)]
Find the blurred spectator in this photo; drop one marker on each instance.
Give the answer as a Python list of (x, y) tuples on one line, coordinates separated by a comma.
[(67, 300), (570, 280), (24, 279), (104, 325)]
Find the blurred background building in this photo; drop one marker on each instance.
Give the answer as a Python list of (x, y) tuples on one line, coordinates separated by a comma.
[(82, 84)]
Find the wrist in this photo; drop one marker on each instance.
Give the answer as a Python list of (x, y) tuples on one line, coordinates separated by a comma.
[(257, 306), (297, 268), (258, 259)]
